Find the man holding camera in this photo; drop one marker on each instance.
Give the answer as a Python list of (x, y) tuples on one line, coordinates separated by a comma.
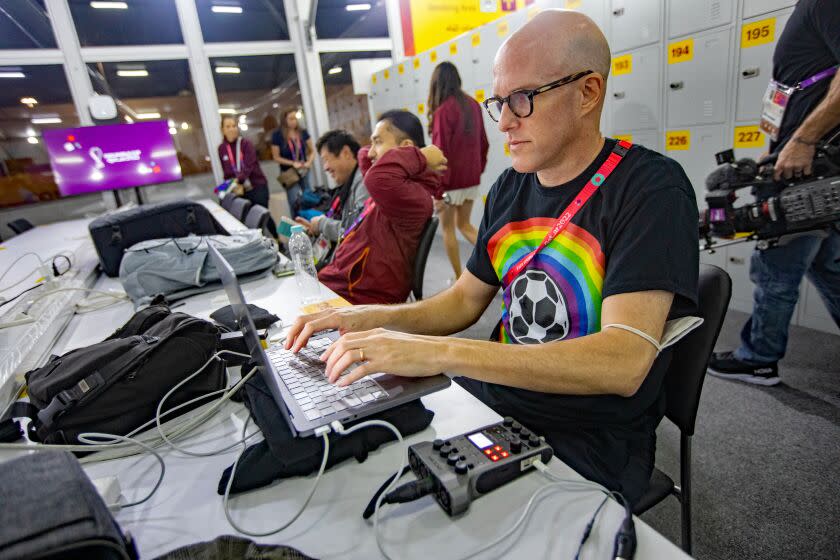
[(801, 109)]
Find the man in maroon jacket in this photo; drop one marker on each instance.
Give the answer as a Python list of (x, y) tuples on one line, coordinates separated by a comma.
[(375, 256)]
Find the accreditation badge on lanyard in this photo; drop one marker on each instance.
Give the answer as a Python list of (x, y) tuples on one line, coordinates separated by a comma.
[(775, 103), (776, 100)]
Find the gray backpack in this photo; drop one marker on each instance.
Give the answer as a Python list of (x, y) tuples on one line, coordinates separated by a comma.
[(177, 268)]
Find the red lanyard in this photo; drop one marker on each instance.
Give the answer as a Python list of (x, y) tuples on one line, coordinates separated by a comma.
[(618, 153), (369, 206), (235, 162), (296, 149)]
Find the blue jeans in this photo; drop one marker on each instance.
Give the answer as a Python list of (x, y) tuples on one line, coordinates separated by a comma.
[(777, 273), (294, 193)]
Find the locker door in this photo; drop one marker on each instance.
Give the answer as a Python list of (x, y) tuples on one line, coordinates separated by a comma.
[(756, 62), (595, 9), (696, 81), (697, 15), (463, 60), (694, 148), (635, 90), (634, 23), (647, 138), (756, 7), (738, 267), (812, 310), (403, 84), (479, 57)]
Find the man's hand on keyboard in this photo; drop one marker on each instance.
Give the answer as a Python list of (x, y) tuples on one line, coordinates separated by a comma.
[(345, 319), (381, 350)]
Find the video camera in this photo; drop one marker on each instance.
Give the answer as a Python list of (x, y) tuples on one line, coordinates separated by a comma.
[(784, 207)]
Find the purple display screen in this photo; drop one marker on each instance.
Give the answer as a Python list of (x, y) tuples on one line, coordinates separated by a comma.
[(117, 156)]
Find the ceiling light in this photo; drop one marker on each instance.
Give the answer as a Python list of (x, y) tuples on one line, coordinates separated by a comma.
[(299, 114), (109, 5), (223, 9), (148, 116), (334, 70), (185, 126), (227, 111), (9, 73), (170, 123), (275, 105), (357, 7), (32, 140), (173, 131), (29, 101), (243, 127), (46, 120), (227, 70), (136, 73)]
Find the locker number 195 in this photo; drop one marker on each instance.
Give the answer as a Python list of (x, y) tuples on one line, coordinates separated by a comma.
[(758, 33)]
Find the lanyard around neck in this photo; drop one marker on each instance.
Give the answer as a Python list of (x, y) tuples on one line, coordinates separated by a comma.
[(618, 153)]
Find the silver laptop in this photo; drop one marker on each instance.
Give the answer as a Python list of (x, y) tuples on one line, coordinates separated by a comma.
[(298, 383)]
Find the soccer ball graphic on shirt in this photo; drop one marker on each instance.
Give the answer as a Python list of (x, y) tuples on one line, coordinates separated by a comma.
[(538, 312)]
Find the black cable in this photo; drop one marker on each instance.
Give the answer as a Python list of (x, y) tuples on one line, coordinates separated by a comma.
[(624, 546), (20, 294), (371, 507), (588, 530)]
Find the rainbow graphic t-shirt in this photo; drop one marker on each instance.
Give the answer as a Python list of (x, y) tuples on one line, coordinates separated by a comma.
[(559, 294)]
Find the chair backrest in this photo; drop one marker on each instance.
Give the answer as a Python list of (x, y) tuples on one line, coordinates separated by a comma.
[(687, 371), (257, 217), (227, 202), (20, 225), (239, 208), (423, 248)]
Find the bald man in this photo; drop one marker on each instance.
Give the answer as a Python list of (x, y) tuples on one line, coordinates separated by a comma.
[(628, 256)]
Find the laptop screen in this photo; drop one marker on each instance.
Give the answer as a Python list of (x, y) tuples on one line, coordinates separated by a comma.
[(246, 324)]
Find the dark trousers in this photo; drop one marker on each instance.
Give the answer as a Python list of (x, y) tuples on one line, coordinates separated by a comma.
[(620, 459), (258, 195)]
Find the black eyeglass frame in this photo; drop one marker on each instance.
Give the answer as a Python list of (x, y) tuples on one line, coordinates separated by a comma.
[(531, 93)]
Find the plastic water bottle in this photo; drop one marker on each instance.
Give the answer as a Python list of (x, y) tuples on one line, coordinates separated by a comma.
[(300, 249)]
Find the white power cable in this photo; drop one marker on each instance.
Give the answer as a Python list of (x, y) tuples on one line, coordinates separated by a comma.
[(339, 428), (323, 432), (88, 437), (26, 277)]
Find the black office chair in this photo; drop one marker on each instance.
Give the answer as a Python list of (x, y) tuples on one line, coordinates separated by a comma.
[(423, 248), (258, 217), (239, 208), (683, 384), (20, 225)]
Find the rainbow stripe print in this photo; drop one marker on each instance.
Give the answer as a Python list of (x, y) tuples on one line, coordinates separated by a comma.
[(572, 264)]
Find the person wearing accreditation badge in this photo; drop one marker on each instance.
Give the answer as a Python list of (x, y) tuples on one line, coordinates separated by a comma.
[(801, 109), (375, 253), (582, 234), (239, 161)]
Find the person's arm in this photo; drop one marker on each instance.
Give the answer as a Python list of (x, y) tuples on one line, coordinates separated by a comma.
[(310, 151), (275, 155), (227, 167), (401, 183), (612, 361), (798, 154), (249, 161), (330, 228), (485, 144), (448, 312), (441, 137)]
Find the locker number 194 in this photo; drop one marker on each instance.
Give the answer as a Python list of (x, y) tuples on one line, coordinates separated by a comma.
[(682, 51)]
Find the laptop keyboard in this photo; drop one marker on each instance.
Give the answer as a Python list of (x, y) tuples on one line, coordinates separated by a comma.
[(303, 374)]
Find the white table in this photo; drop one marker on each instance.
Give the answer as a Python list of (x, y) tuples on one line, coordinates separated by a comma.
[(187, 509)]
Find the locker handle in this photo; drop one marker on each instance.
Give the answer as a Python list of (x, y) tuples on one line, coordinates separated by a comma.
[(618, 12), (737, 260), (750, 73), (619, 95), (676, 85)]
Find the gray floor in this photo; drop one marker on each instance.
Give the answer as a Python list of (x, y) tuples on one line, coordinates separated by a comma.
[(766, 460)]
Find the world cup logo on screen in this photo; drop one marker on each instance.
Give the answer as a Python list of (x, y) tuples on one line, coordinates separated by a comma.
[(96, 154)]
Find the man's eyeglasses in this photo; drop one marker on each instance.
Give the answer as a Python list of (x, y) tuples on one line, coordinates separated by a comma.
[(521, 103)]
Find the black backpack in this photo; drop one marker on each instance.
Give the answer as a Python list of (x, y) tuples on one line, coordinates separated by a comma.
[(114, 386)]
